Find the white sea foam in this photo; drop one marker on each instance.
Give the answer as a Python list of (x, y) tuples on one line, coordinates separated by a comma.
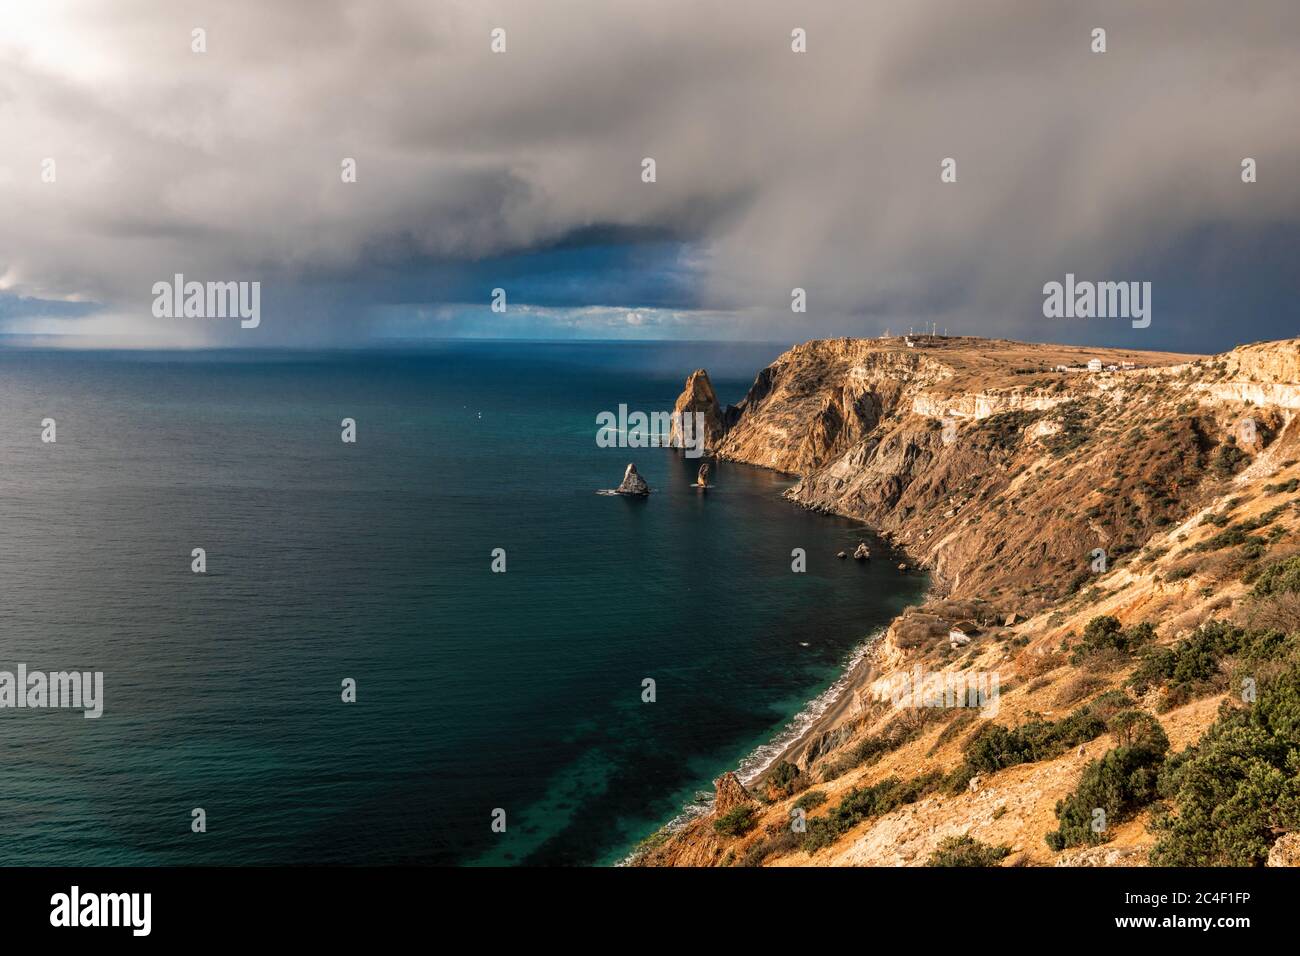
[(753, 766)]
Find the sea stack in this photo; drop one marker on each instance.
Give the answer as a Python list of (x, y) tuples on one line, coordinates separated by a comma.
[(697, 397), (633, 483), (702, 477)]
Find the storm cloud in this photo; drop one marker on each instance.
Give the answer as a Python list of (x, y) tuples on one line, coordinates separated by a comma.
[(775, 169)]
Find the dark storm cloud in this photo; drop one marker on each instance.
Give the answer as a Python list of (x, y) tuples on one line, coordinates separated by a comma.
[(775, 169)]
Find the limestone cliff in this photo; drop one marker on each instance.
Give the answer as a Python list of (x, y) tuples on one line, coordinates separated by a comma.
[(1039, 499)]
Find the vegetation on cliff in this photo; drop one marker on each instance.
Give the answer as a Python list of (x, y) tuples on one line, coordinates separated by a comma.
[(967, 851)]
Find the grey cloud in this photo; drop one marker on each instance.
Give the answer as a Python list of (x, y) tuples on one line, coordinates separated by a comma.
[(817, 170)]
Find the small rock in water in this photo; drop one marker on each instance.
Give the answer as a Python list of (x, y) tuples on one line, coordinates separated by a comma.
[(902, 567), (702, 477), (633, 483), (841, 555), (862, 554)]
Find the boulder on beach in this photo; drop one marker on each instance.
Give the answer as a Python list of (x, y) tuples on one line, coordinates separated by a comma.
[(862, 554), (633, 483)]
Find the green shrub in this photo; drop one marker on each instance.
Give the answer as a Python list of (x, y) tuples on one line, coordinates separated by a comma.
[(785, 842), (1105, 633), (899, 731), (813, 798), (956, 782), (1194, 666), (997, 747), (1238, 788), (1227, 459), (1110, 703), (1280, 578), (785, 779), (1073, 419), (1122, 782), (735, 822), (862, 803), (966, 851)]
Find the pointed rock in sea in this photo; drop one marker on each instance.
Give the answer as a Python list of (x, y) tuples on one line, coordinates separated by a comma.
[(633, 483)]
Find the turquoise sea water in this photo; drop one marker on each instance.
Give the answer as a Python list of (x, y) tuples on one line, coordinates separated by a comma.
[(325, 561)]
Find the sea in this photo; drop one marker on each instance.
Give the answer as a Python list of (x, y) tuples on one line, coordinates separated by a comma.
[(437, 644)]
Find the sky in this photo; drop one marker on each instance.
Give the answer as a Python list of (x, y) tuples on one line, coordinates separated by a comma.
[(128, 156)]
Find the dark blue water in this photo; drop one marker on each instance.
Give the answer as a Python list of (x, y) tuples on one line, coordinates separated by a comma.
[(476, 690)]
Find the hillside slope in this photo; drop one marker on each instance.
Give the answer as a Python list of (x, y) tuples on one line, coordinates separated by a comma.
[(1087, 528)]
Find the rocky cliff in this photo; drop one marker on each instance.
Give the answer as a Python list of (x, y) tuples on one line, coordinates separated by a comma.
[(1040, 498), (697, 398)]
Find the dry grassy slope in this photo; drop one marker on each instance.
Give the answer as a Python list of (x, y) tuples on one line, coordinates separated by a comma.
[(995, 517)]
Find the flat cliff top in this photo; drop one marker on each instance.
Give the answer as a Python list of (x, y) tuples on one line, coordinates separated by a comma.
[(976, 364)]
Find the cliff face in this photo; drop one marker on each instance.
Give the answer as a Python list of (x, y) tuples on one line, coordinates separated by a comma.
[(1058, 496), (820, 399), (967, 451)]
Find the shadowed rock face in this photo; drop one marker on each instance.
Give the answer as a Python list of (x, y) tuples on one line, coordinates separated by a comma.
[(633, 483), (698, 396), (820, 399), (934, 443)]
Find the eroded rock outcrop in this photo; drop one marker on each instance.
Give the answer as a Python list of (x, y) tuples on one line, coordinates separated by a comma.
[(1286, 851), (697, 398), (731, 794)]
